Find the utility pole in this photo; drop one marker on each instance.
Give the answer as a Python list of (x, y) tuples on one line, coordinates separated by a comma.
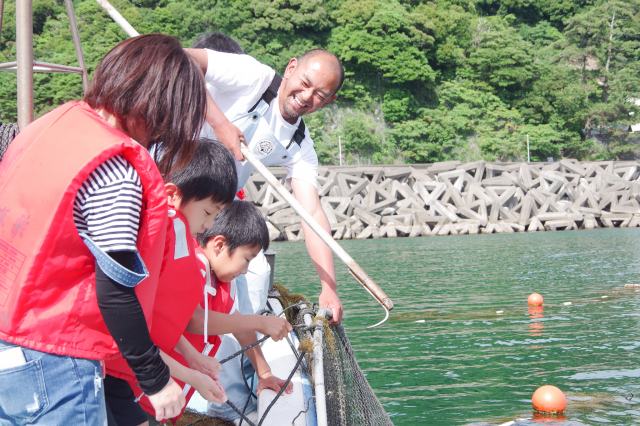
[(528, 152), (340, 150)]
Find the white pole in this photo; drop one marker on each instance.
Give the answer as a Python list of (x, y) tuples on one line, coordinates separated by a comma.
[(24, 62), (358, 273), (119, 19), (340, 149), (318, 366), (528, 152)]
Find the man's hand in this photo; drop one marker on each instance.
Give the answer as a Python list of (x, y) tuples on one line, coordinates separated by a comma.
[(275, 327), (231, 137), (269, 381), (204, 364), (168, 402), (329, 299), (210, 389)]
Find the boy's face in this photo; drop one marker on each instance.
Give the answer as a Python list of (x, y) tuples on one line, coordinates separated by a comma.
[(226, 264), (200, 214)]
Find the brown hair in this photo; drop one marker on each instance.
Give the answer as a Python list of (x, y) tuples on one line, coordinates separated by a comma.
[(150, 84)]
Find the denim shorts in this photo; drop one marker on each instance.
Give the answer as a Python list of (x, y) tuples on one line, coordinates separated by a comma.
[(49, 389)]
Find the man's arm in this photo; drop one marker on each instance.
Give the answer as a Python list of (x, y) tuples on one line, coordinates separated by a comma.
[(319, 252), (225, 131)]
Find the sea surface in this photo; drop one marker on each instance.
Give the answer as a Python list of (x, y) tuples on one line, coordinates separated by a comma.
[(462, 347)]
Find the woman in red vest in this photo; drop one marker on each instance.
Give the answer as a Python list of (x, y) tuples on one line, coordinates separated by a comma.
[(82, 231)]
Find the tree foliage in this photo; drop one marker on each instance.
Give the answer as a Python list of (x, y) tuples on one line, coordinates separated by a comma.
[(427, 80)]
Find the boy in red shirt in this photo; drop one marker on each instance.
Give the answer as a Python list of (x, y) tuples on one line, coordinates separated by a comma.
[(196, 194), (237, 236)]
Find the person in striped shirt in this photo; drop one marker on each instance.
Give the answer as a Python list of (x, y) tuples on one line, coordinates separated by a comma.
[(145, 90)]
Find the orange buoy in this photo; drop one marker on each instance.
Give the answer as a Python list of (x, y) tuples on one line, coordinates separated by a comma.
[(549, 399), (535, 299)]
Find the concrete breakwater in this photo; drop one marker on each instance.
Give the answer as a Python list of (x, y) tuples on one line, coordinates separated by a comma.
[(453, 198)]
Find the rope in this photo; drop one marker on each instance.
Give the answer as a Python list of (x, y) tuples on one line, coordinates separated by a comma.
[(299, 360), (8, 132), (237, 410), (307, 405), (282, 389), (244, 348)]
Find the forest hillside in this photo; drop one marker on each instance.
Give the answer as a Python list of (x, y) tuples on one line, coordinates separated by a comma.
[(426, 81)]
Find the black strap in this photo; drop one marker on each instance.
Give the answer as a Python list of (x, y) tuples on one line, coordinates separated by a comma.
[(271, 92), (269, 95)]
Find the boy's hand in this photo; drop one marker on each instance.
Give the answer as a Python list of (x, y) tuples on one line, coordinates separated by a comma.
[(275, 327), (204, 364), (210, 389), (269, 381), (168, 402)]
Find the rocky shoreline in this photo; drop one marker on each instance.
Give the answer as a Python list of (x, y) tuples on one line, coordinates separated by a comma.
[(454, 198)]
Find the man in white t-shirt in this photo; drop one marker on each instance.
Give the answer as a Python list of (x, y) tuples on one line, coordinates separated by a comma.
[(236, 83)]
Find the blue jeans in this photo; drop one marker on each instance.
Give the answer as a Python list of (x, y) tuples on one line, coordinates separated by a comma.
[(49, 389)]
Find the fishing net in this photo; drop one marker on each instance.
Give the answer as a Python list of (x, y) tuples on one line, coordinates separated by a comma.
[(7, 133), (349, 398), (350, 401)]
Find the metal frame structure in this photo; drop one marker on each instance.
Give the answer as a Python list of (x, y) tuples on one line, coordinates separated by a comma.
[(25, 66)]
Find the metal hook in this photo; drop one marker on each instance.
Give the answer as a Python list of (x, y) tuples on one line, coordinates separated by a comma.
[(384, 303)]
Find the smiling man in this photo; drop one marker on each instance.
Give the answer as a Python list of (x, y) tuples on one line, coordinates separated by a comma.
[(238, 84)]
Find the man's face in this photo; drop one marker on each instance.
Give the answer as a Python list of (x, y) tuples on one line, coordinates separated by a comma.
[(307, 86)]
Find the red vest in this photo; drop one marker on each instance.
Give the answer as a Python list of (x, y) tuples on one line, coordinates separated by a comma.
[(47, 274), (221, 302), (178, 293)]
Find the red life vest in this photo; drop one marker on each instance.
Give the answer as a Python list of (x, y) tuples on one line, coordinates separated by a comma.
[(177, 295), (47, 274), (221, 302)]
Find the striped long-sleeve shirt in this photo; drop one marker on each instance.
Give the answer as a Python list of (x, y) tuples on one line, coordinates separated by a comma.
[(107, 206)]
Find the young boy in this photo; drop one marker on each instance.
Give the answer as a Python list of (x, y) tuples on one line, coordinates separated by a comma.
[(195, 195), (237, 236)]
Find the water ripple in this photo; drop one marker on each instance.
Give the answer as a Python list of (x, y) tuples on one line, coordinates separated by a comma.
[(462, 347)]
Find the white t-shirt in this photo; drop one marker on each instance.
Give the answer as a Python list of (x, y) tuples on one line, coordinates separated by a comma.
[(236, 83)]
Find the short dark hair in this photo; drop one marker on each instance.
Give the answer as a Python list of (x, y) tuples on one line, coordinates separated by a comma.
[(150, 82), (313, 52), (218, 41), (211, 173), (241, 224)]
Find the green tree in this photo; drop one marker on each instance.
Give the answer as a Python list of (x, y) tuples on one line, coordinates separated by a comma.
[(382, 44), (498, 55), (427, 80)]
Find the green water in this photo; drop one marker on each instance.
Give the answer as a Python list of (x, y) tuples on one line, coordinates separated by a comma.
[(446, 357)]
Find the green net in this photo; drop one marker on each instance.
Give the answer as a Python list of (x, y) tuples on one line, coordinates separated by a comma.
[(350, 401), (349, 398), (8, 132)]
